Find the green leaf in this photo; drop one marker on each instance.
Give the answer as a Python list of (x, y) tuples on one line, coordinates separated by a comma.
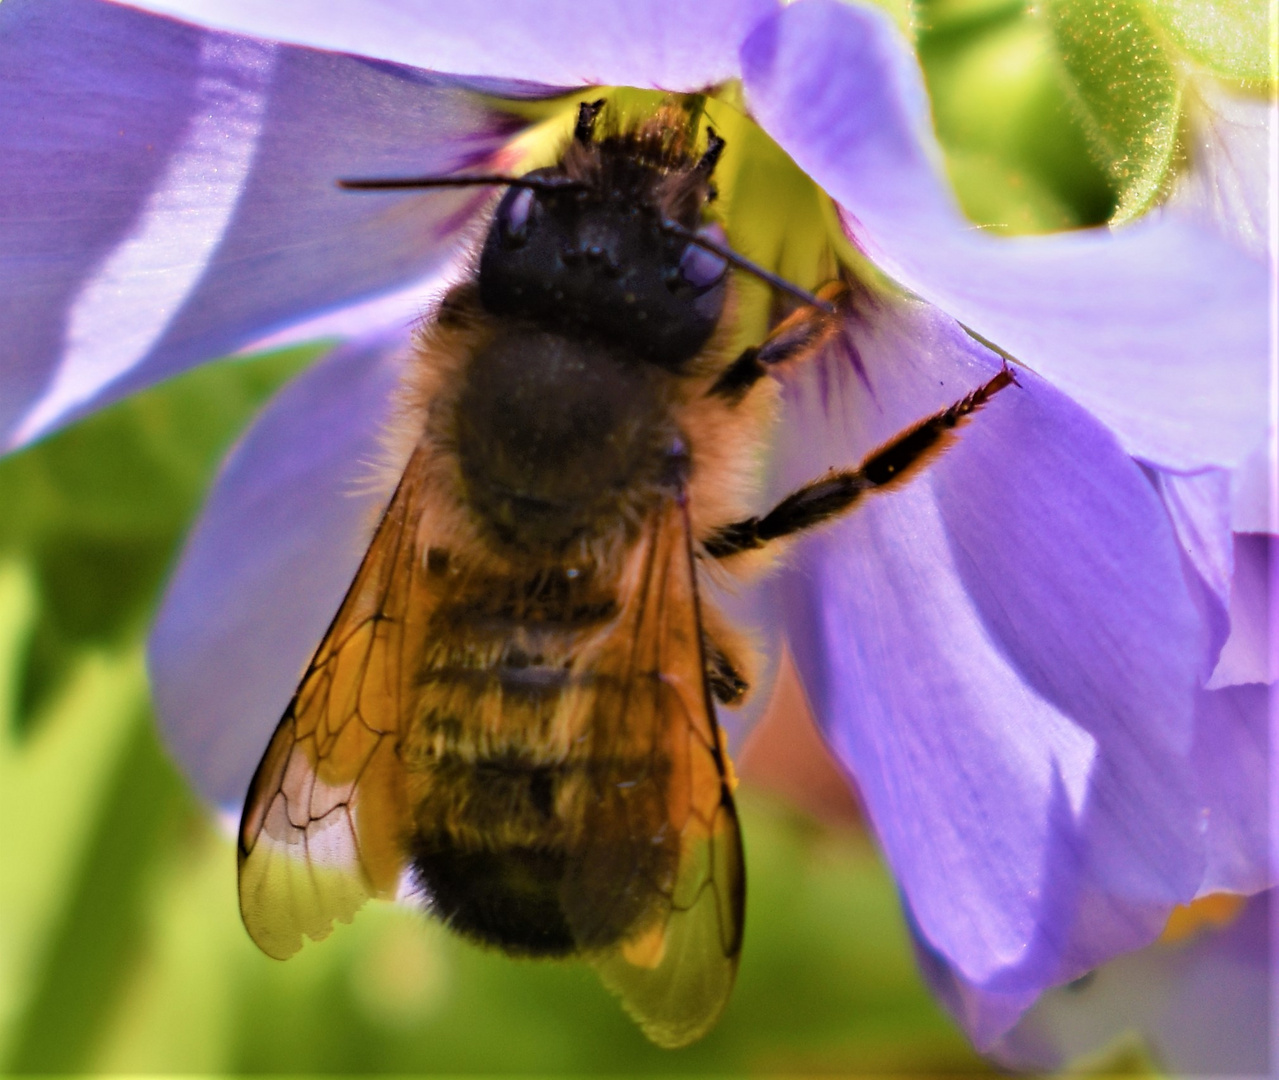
[(933, 16), (98, 510), (1233, 38), (87, 958), (900, 11), (80, 799), (1015, 148), (1005, 198), (1126, 90)]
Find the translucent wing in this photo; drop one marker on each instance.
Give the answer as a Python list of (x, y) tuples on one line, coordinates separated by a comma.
[(325, 816), (652, 888), (675, 971)]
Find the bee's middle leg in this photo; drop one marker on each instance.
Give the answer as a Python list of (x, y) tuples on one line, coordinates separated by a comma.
[(819, 500)]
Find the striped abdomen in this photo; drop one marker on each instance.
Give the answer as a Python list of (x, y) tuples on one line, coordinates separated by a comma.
[(537, 781)]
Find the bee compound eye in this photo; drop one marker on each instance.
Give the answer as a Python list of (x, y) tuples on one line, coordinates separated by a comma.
[(514, 216), (699, 267)]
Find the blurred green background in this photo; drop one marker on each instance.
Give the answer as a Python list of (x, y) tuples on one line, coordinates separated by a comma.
[(120, 943)]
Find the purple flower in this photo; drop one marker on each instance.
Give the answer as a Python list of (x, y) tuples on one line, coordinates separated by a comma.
[(1199, 999), (1008, 655)]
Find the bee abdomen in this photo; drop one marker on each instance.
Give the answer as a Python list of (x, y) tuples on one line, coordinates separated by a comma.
[(509, 897), (539, 817), (544, 900), (544, 858)]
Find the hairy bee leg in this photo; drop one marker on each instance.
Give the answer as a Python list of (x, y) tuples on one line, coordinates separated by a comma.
[(726, 682), (587, 113), (836, 493), (801, 333)]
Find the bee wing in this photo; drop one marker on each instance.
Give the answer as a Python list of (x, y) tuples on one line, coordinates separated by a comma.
[(675, 974), (325, 815)]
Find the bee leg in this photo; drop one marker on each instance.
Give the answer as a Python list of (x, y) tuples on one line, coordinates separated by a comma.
[(835, 493), (800, 334), (587, 113), (725, 681)]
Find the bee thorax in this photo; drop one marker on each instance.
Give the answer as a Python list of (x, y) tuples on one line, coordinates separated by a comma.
[(557, 436)]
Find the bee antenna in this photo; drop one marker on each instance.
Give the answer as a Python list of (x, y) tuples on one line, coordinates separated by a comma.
[(694, 106), (587, 113), (394, 183), (742, 263)]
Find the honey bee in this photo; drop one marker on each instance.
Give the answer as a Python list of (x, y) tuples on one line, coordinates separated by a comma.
[(514, 707)]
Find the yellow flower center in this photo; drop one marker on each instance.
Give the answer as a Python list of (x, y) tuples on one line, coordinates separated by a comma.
[(1213, 912)]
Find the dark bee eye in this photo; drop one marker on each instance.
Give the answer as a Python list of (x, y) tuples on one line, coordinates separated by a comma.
[(514, 216), (701, 268)]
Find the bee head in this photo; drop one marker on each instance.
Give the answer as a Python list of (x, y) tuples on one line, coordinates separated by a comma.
[(605, 243), (610, 243)]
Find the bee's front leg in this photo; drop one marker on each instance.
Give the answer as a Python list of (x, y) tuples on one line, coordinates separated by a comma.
[(802, 332), (835, 493)]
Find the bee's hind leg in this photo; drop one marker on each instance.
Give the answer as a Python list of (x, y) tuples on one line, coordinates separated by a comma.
[(835, 493)]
